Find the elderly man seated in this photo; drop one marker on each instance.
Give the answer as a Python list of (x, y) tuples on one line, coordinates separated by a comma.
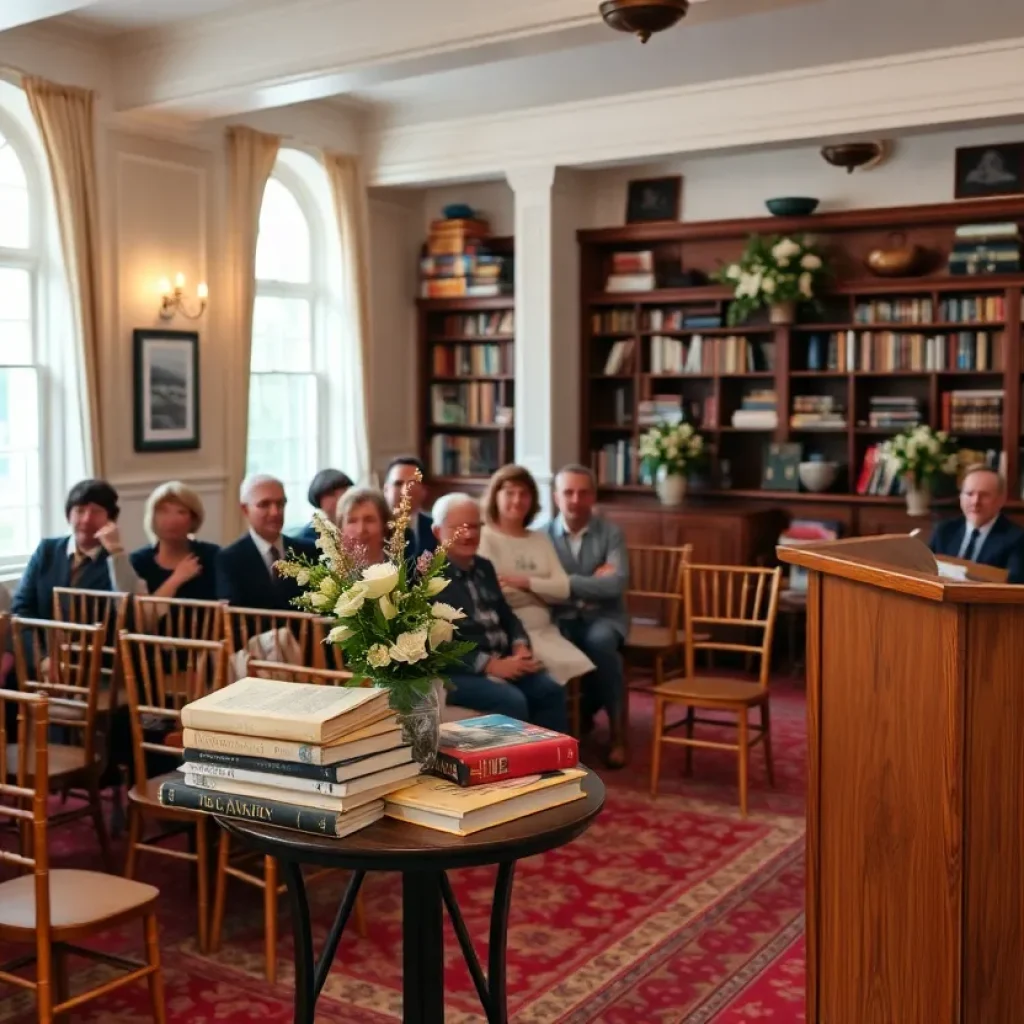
[(502, 676)]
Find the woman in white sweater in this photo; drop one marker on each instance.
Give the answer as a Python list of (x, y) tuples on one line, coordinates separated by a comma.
[(531, 575)]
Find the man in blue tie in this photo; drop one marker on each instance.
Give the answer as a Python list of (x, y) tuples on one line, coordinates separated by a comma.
[(982, 534)]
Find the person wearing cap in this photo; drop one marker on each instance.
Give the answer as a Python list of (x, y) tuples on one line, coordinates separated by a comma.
[(326, 490), (91, 558)]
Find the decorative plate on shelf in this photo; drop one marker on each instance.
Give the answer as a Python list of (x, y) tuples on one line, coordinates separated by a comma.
[(458, 211)]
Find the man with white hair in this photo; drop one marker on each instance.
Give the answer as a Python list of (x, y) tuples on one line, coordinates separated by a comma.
[(245, 569), (501, 674)]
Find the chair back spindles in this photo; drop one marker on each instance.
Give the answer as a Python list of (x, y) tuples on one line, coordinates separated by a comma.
[(179, 619), (293, 636), (21, 801), (656, 583), (299, 673)]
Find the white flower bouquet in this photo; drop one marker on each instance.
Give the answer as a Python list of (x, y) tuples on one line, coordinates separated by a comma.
[(390, 629), (923, 455), (772, 271), (675, 446)]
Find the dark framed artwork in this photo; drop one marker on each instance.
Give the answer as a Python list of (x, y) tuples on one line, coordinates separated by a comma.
[(996, 170), (653, 199), (166, 390)]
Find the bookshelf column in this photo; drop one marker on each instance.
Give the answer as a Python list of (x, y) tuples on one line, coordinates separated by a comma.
[(547, 321)]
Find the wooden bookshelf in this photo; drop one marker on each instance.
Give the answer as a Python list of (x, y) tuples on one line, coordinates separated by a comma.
[(857, 365), (466, 389)]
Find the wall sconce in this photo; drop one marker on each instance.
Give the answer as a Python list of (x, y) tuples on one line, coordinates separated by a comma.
[(173, 300)]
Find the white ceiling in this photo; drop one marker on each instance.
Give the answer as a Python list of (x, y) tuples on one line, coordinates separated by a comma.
[(112, 17)]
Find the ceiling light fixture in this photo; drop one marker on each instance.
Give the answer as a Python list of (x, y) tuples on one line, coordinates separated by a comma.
[(643, 17)]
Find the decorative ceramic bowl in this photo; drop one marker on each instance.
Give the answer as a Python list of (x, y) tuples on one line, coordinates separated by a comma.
[(791, 206), (818, 476), (458, 211)]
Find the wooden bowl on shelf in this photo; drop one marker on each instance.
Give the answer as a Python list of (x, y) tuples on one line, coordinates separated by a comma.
[(898, 260)]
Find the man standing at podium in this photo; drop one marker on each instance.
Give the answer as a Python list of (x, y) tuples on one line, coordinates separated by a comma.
[(982, 534)]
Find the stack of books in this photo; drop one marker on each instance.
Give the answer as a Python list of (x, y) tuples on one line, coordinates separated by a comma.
[(986, 249), (493, 769), (459, 263), (313, 758)]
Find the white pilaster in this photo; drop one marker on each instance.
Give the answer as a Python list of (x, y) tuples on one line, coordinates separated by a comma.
[(547, 321)]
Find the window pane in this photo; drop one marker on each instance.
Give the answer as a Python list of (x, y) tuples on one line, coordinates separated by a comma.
[(11, 171), (20, 502), (281, 335), (283, 431), (283, 246), (14, 204), (15, 294)]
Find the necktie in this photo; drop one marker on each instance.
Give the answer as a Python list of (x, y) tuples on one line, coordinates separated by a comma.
[(275, 556), (78, 566), (972, 544)]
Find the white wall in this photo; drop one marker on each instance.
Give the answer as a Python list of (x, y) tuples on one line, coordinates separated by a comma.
[(492, 200)]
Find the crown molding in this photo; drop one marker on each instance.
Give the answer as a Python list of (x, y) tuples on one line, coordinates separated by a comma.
[(927, 89)]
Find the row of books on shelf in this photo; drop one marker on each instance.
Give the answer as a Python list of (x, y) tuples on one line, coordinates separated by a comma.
[(454, 455), (974, 410), (476, 325), (475, 360), (817, 412), (332, 760), (696, 355), (477, 404), (894, 351), (682, 318), (959, 309)]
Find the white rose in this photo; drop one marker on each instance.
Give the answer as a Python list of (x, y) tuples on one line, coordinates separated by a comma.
[(410, 647), (810, 261), (351, 601), (446, 612), (785, 249), (441, 631), (321, 602), (733, 272), (378, 656), (339, 635), (387, 609), (380, 580), (302, 578), (329, 588), (805, 285), (436, 585), (768, 287)]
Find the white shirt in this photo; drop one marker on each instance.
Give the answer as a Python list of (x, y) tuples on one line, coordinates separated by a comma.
[(983, 532), (264, 546), (575, 540)]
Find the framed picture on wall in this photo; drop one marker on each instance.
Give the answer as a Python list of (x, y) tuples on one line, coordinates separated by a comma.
[(996, 170), (166, 390), (653, 199)]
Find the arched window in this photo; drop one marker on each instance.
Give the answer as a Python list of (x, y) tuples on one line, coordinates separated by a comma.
[(284, 385)]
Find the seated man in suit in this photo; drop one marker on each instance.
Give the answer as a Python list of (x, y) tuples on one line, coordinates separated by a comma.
[(594, 555), (501, 675), (400, 472), (982, 534), (245, 573), (326, 490)]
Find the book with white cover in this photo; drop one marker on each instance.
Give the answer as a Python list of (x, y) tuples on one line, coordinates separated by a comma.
[(305, 712)]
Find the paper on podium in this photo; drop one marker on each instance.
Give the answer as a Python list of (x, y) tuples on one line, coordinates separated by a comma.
[(949, 571)]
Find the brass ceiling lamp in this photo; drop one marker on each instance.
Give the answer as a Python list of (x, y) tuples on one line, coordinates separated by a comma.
[(643, 17)]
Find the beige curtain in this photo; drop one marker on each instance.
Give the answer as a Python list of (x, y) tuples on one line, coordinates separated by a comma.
[(65, 118), (251, 157), (350, 202)]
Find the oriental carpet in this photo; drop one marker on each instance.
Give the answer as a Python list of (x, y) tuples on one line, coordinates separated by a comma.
[(667, 911)]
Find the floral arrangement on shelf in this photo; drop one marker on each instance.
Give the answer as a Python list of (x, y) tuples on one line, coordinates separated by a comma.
[(391, 630), (773, 272), (922, 455), (675, 448)]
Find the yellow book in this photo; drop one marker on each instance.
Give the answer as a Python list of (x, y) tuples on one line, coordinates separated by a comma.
[(439, 804), (273, 708)]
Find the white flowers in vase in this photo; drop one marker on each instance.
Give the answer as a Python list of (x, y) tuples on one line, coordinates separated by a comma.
[(772, 272), (922, 455), (675, 448)]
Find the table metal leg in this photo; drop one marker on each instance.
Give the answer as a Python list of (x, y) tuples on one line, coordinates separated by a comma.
[(497, 1012), (305, 968), (422, 948)]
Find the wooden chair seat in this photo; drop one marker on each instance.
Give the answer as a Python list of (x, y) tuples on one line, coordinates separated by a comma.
[(63, 761), (709, 691), (147, 793), (78, 899)]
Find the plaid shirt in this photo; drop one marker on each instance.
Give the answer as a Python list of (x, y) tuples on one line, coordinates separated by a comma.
[(490, 623)]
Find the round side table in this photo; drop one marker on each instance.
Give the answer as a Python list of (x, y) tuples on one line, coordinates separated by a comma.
[(422, 856)]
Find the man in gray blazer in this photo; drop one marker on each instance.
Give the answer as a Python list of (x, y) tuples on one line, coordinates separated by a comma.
[(594, 555)]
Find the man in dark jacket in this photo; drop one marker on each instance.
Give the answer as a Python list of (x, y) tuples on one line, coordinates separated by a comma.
[(421, 526), (501, 676), (982, 534)]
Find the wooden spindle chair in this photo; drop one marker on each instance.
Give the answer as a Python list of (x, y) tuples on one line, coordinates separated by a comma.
[(52, 911), (238, 866), (243, 625), (162, 675), (61, 661), (731, 603), (179, 619)]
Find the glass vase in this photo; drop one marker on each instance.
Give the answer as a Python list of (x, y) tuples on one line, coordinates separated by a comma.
[(421, 726)]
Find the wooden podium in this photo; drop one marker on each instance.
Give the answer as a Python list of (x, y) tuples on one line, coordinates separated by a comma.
[(915, 801)]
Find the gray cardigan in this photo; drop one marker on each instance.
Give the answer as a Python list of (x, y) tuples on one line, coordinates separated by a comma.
[(597, 597)]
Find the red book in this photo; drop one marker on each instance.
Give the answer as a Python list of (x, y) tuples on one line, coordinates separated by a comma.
[(495, 747)]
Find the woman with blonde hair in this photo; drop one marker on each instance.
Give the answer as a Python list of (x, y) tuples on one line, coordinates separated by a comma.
[(363, 516), (176, 564), (529, 570)]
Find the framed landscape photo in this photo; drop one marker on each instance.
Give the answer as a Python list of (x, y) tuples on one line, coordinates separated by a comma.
[(996, 170), (166, 390), (653, 199)]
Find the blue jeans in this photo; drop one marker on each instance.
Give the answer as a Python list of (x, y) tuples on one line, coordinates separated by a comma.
[(535, 698), (601, 643)]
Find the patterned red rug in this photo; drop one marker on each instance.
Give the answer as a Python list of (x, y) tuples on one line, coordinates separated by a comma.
[(672, 910)]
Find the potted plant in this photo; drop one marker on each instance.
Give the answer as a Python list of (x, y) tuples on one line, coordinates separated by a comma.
[(393, 632), (923, 457), (669, 452), (780, 273)]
